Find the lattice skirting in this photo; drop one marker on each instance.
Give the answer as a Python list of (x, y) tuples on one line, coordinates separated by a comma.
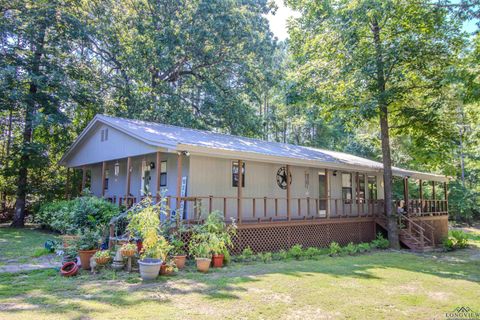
[(276, 237)]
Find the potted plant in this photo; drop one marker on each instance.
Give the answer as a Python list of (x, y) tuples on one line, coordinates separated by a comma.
[(128, 250), (179, 255), (102, 257), (167, 268), (220, 236), (87, 244), (202, 253), (146, 224)]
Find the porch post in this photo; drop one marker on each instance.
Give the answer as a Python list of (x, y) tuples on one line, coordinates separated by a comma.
[(179, 184), (239, 191), (405, 191), (420, 191), (129, 173), (445, 192), (104, 167), (289, 213), (327, 195), (84, 178), (158, 173), (357, 191), (433, 191)]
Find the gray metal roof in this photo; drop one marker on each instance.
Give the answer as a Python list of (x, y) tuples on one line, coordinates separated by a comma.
[(163, 135)]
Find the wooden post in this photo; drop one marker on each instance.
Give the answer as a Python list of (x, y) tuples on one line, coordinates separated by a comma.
[(111, 235), (239, 190), (445, 194), (129, 176), (420, 194), (327, 195), (104, 167), (84, 178), (405, 192), (433, 191), (288, 192), (357, 185), (158, 172), (179, 183)]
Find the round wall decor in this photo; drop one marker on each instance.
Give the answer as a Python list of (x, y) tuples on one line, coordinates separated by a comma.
[(282, 177)]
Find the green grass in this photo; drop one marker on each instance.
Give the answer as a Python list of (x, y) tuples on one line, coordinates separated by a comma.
[(22, 244), (380, 285)]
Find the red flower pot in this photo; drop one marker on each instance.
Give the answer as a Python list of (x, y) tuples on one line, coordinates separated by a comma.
[(218, 260), (85, 256), (139, 246), (69, 269)]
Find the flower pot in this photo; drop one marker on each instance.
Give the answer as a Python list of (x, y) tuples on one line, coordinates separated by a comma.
[(128, 253), (85, 256), (149, 268), (218, 260), (69, 269), (203, 264), (139, 246), (180, 261), (102, 261), (166, 270)]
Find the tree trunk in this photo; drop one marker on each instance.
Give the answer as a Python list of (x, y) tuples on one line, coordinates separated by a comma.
[(7, 155), (19, 216), (392, 224)]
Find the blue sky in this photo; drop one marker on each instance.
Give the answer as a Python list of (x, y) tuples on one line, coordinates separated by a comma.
[(278, 22)]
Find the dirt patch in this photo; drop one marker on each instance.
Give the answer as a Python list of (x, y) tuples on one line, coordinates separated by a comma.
[(43, 262)]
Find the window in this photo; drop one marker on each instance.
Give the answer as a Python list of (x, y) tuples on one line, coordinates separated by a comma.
[(361, 188), (322, 191), (104, 135), (163, 174), (372, 187), (107, 175), (347, 187), (235, 174)]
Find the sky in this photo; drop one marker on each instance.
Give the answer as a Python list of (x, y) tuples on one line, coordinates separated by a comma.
[(278, 22)]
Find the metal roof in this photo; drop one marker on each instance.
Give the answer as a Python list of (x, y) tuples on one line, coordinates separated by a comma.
[(176, 138)]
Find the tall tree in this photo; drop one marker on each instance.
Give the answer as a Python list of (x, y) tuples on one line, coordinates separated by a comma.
[(370, 55)]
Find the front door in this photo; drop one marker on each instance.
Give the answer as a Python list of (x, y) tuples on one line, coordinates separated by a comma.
[(322, 194), (145, 179)]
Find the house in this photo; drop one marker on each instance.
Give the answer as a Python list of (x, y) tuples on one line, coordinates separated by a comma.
[(289, 194)]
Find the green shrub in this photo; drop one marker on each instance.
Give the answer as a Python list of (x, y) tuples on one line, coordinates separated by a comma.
[(265, 257), (380, 242), (364, 247), (280, 255), (69, 217), (456, 239), (350, 249), (311, 252), (295, 251), (335, 249)]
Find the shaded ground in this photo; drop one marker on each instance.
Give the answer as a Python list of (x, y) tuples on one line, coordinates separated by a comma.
[(23, 250), (381, 285)]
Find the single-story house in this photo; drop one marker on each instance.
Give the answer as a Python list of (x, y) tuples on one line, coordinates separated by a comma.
[(289, 194)]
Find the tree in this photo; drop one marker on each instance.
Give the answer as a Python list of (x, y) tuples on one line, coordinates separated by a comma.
[(372, 56)]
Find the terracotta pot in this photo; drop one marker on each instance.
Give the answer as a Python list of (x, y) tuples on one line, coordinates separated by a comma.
[(128, 253), (102, 260), (149, 268), (69, 269), (218, 260), (85, 256), (139, 245), (203, 264), (180, 261), (166, 270)]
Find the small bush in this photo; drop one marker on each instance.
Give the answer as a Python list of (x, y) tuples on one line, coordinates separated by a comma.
[(311, 252), (380, 242), (456, 239), (364, 247), (280, 255), (334, 249), (350, 249), (41, 252), (265, 257), (296, 252)]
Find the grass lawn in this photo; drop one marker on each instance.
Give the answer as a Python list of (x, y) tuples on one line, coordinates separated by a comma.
[(22, 244), (380, 285)]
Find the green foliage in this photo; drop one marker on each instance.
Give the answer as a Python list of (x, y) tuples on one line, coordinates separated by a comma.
[(88, 240), (103, 254), (265, 257), (350, 249), (364, 247), (335, 249), (456, 239), (380, 242), (41, 252), (296, 252), (280, 255), (463, 203), (69, 217), (312, 252)]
